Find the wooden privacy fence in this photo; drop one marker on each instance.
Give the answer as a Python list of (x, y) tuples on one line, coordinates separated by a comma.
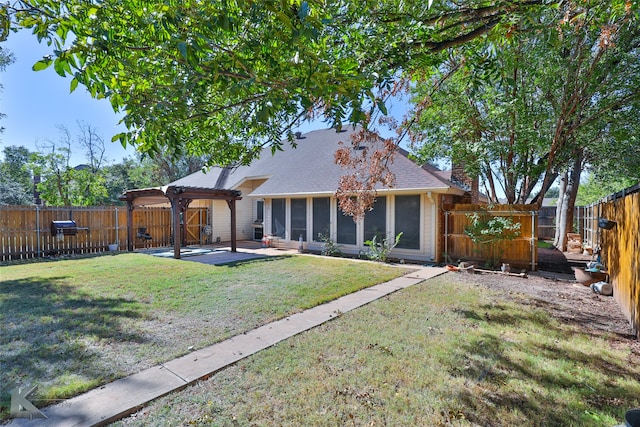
[(621, 249), (521, 252), (547, 222), (25, 231)]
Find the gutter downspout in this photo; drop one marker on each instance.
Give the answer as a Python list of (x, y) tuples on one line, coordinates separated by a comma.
[(434, 212), (446, 236)]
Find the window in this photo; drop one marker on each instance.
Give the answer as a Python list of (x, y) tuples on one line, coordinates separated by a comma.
[(278, 217), (346, 229), (321, 218), (258, 231), (299, 219), (375, 221), (259, 211), (407, 211)]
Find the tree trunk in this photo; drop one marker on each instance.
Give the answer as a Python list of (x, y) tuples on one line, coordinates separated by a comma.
[(560, 223), (564, 221)]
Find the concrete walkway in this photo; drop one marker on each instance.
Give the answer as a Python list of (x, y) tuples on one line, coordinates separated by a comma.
[(127, 395)]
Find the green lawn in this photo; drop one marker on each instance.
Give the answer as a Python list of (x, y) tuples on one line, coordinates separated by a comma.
[(68, 326), (441, 353), (545, 245)]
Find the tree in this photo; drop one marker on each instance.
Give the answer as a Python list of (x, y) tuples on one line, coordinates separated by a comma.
[(65, 185), (11, 193), (127, 175), (90, 140), (16, 184), (568, 191), (594, 188), (546, 105), (486, 120), (224, 79), (519, 117), (144, 172), (165, 168)]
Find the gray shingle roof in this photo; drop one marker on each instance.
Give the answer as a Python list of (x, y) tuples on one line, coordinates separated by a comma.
[(310, 169)]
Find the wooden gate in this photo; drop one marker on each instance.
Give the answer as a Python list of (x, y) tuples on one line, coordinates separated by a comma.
[(197, 219), (521, 252)]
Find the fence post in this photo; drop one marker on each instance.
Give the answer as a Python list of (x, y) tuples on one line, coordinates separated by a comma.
[(117, 242), (39, 251), (533, 242)]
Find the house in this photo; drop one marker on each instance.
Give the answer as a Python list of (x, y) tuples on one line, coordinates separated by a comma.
[(291, 196)]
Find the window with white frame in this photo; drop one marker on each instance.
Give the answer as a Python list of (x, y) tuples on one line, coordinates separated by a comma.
[(346, 229), (299, 219), (407, 221), (375, 221), (278, 217), (321, 210)]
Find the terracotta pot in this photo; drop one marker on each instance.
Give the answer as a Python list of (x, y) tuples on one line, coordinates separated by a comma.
[(589, 277)]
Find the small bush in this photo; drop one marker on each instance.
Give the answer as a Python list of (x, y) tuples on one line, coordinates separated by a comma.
[(329, 247), (379, 251)]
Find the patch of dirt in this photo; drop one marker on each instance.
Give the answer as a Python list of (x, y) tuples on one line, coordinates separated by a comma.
[(569, 302)]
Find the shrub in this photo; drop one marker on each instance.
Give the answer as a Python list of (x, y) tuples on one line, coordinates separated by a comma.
[(329, 247), (379, 251)]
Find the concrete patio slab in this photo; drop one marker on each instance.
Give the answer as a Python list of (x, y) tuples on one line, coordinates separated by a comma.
[(125, 396), (224, 257)]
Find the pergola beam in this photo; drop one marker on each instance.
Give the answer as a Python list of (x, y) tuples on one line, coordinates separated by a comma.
[(180, 197)]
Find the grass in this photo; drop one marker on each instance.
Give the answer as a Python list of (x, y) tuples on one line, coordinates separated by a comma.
[(440, 353), (69, 326), (545, 245)]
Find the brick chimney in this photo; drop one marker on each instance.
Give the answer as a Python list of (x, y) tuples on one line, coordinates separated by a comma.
[(460, 177)]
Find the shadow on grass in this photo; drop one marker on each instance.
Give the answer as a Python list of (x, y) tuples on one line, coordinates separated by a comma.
[(45, 327), (495, 368), (257, 260), (56, 258)]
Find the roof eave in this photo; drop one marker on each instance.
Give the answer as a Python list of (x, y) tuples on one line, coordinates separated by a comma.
[(438, 190)]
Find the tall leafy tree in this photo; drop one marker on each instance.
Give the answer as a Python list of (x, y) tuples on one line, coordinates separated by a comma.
[(517, 110), (595, 188), (129, 174), (144, 172), (487, 118), (16, 184), (523, 109)]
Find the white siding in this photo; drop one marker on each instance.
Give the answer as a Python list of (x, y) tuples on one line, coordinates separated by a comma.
[(245, 214), (221, 221)]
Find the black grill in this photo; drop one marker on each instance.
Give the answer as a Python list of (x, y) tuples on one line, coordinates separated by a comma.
[(67, 228)]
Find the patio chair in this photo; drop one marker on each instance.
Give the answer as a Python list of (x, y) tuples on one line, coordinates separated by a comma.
[(142, 234)]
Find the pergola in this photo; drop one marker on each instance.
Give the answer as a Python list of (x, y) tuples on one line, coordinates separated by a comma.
[(180, 197)]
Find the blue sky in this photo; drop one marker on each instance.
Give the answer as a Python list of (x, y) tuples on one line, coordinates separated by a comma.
[(35, 103)]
